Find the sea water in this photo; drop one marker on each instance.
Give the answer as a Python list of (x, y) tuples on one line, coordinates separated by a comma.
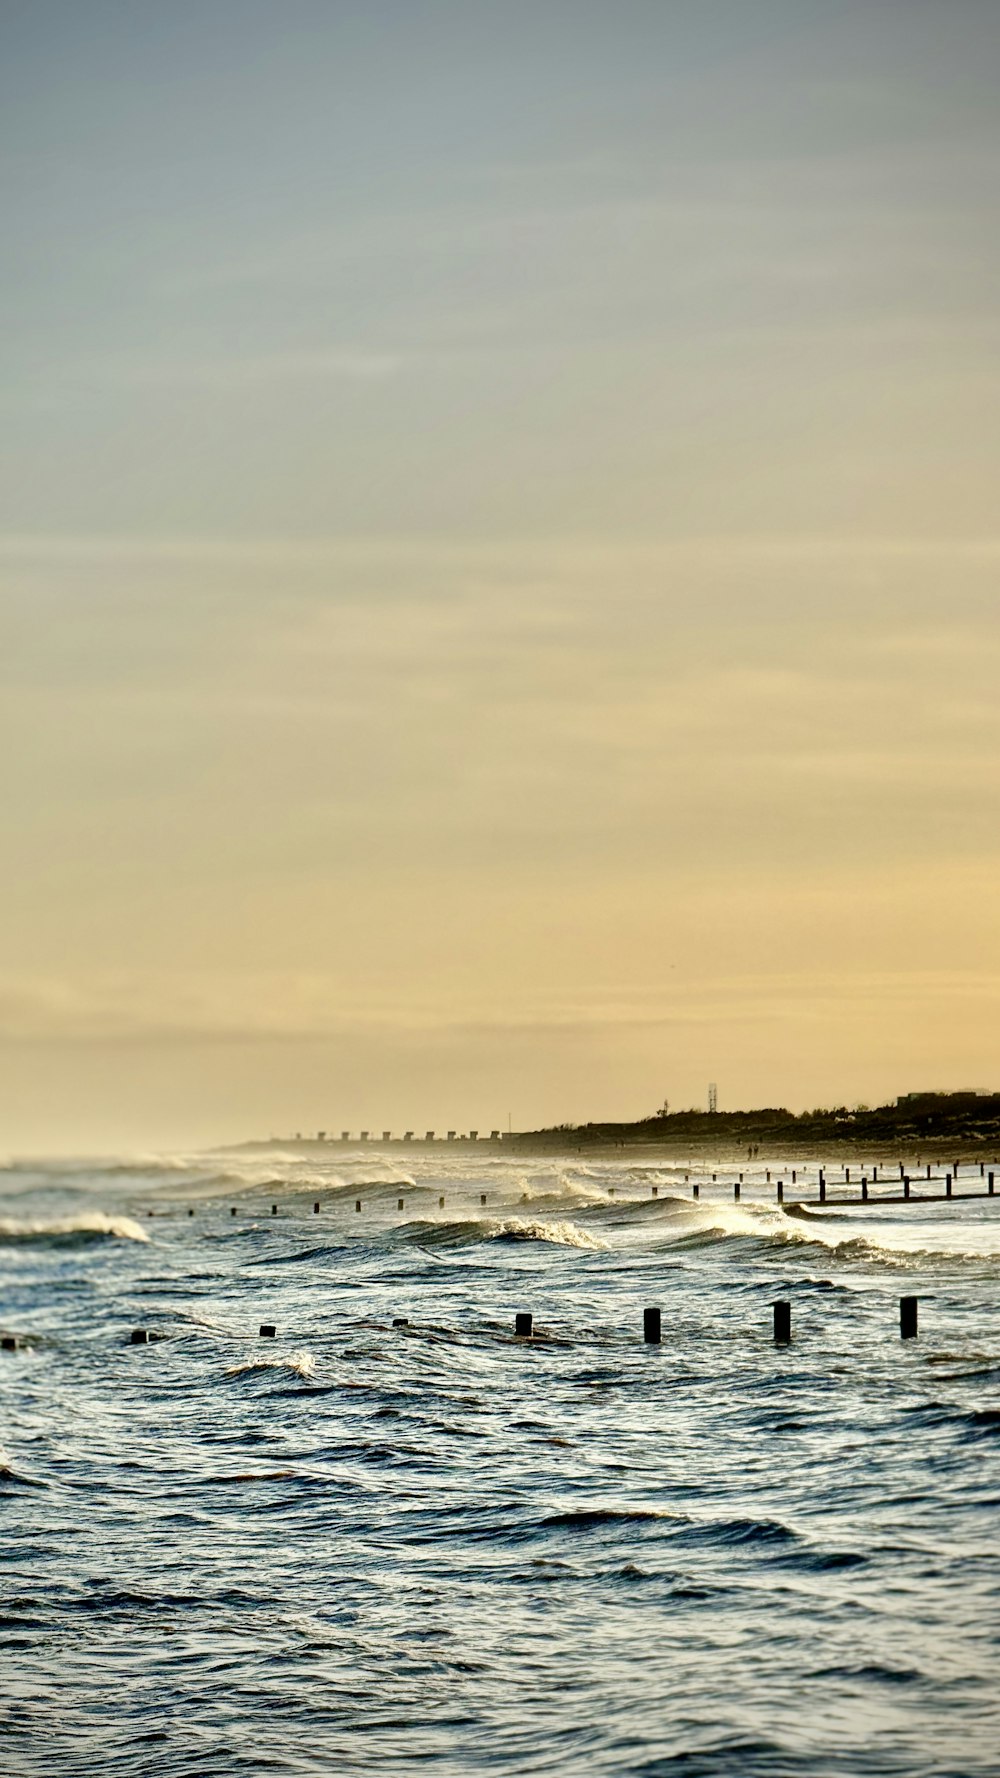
[(437, 1547)]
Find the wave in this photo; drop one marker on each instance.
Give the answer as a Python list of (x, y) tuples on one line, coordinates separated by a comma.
[(13, 1478), (86, 1225), (508, 1229), (297, 1364), (585, 1518)]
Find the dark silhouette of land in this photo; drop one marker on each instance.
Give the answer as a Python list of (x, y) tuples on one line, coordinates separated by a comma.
[(928, 1121), (946, 1124)]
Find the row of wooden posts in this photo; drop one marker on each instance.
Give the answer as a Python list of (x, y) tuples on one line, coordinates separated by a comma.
[(651, 1325), (865, 1183)]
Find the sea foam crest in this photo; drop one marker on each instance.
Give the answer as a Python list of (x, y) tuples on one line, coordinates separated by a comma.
[(83, 1225), (300, 1364), (508, 1228)]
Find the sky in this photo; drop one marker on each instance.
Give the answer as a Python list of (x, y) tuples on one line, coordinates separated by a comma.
[(498, 561)]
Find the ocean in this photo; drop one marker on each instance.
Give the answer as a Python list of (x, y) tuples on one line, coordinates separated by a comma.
[(437, 1547)]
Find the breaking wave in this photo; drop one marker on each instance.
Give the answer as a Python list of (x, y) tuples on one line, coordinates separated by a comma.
[(85, 1225), (509, 1229), (297, 1364)]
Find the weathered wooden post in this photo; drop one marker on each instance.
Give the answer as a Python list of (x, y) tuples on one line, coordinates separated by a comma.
[(782, 1324), (267, 1330), (522, 1326), (908, 1317), (651, 1326)]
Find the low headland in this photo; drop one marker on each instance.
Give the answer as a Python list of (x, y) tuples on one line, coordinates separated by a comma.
[(946, 1124)]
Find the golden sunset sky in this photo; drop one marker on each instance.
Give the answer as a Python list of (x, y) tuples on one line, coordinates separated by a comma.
[(499, 561)]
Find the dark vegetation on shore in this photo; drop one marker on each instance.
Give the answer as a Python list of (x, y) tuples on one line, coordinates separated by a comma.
[(915, 1118)]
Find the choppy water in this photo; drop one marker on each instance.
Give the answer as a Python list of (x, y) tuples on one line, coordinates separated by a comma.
[(359, 1547)]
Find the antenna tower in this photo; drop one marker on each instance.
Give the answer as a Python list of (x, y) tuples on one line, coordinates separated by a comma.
[(713, 1098)]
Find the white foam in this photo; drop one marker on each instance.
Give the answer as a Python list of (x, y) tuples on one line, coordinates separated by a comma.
[(84, 1222), (300, 1364), (560, 1234)]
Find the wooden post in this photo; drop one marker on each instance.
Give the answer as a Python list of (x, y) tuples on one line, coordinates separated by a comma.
[(864, 1191), (906, 1187), (357, 1205), (822, 1189), (654, 1191), (781, 1192), (695, 1189), (399, 1203), (947, 1185), (482, 1197), (267, 1330), (316, 1208), (782, 1324), (522, 1326), (736, 1192), (907, 1317), (139, 1337), (440, 1203), (651, 1326), (989, 1182)]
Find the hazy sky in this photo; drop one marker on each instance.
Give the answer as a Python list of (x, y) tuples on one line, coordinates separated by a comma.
[(499, 560)]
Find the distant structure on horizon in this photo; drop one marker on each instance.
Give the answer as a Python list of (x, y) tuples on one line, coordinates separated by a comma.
[(713, 1098)]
